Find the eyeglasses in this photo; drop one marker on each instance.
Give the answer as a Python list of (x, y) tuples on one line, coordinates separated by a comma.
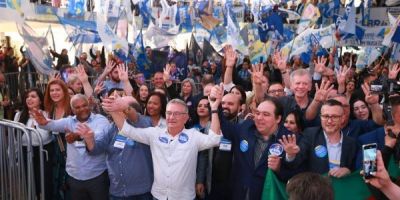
[(169, 113), (276, 91), (331, 117)]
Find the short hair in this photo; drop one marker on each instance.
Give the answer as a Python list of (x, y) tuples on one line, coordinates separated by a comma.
[(309, 185), (180, 102), (300, 72), (76, 97), (278, 106), (394, 100), (332, 102)]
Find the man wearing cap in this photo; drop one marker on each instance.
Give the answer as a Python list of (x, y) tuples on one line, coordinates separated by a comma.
[(255, 147), (174, 149)]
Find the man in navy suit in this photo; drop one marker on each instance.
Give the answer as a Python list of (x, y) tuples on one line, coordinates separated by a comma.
[(323, 149), (255, 147)]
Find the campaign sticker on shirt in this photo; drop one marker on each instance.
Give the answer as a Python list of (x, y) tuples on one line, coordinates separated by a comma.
[(120, 142), (244, 146), (225, 145), (163, 140), (183, 138), (276, 149), (130, 142), (320, 151)]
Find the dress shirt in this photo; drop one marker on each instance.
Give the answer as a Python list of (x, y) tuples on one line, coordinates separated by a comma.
[(80, 165), (334, 151), (174, 158), (130, 169)]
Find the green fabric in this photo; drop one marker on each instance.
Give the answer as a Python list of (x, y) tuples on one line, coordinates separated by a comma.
[(351, 187)]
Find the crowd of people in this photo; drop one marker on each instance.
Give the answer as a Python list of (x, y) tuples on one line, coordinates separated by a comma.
[(213, 136)]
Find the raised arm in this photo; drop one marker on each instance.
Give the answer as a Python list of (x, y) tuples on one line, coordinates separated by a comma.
[(83, 77), (281, 65), (110, 65), (257, 80), (321, 93), (341, 78), (215, 100), (230, 60), (373, 103), (123, 76)]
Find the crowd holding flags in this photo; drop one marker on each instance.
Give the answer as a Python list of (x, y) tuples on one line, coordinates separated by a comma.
[(241, 24)]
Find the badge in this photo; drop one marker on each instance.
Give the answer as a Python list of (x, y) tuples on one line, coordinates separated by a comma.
[(79, 144), (320, 151), (120, 142), (244, 146), (276, 149), (163, 140), (130, 142), (225, 145), (183, 138)]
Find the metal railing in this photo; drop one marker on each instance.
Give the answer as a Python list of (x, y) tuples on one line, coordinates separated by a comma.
[(17, 178)]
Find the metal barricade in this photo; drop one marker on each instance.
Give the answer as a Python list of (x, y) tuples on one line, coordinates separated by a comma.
[(17, 178)]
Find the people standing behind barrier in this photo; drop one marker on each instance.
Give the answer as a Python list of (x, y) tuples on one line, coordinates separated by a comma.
[(4, 97), (33, 99), (129, 162), (62, 59), (87, 175), (56, 104), (174, 150)]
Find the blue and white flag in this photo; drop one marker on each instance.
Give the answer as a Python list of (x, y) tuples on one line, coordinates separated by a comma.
[(37, 49), (347, 23), (391, 31), (184, 20), (167, 20), (308, 18), (233, 36), (367, 57), (110, 40), (138, 51)]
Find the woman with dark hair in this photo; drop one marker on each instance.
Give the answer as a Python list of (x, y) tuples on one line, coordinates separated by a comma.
[(359, 109), (57, 104), (33, 100), (202, 125), (294, 122), (142, 95), (155, 109)]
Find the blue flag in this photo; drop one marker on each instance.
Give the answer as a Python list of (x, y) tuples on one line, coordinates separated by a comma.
[(76, 7), (3, 3), (138, 51)]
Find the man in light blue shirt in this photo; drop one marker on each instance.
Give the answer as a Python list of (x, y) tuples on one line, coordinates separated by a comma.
[(88, 178), (129, 162)]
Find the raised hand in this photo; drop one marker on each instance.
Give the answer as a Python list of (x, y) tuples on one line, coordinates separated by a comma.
[(289, 145), (342, 74), (230, 56), (320, 65), (215, 96), (81, 73), (257, 73), (39, 117), (123, 72), (55, 76), (280, 61), (109, 66), (394, 70), (167, 73), (99, 87), (321, 93), (370, 98)]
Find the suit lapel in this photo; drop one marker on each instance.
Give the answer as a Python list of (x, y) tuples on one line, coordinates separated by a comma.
[(321, 141)]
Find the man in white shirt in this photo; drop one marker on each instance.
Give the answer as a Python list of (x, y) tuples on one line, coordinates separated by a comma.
[(174, 149)]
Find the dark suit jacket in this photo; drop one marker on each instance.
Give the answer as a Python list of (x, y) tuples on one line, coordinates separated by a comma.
[(313, 137), (248, 177)]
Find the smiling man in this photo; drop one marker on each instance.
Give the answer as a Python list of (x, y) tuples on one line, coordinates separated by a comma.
[(88, 178), (174, 149)]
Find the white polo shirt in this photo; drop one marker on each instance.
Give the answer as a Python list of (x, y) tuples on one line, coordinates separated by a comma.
[(174, 158)]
